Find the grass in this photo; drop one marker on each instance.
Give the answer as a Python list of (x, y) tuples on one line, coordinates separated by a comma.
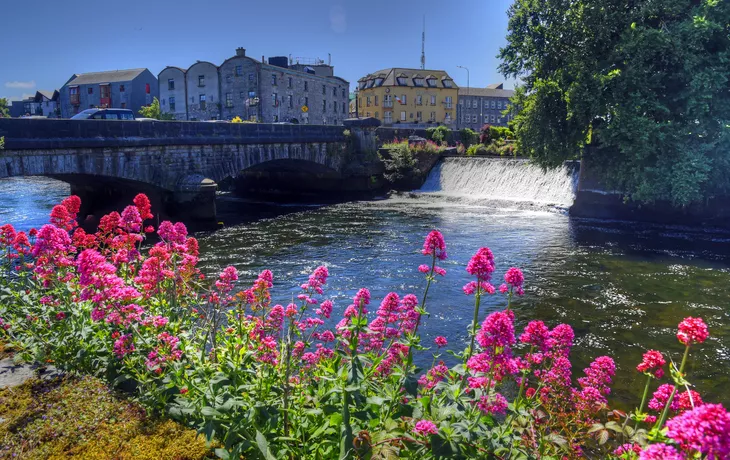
[(80, 417)]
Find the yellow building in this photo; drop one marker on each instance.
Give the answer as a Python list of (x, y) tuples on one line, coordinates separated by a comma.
[(397, 96)]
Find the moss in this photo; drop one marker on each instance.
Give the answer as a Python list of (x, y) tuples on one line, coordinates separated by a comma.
[(80, 417)]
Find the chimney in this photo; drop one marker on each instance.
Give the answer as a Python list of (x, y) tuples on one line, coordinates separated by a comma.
[(240, 51)]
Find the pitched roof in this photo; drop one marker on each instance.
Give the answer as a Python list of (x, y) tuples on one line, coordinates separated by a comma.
[(50, 95), (389, 76), (105, 77), (489, 91)]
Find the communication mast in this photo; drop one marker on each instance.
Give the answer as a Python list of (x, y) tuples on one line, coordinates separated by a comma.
[(423, 45)]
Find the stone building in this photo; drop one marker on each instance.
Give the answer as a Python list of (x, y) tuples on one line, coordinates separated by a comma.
[(46, 103), (173, 86), (480, 106), (121, 89), (257, 91)]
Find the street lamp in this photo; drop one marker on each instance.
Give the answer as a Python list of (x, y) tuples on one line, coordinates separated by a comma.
[(467, 85)]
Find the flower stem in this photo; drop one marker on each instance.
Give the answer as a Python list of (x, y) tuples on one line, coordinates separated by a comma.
[(643, 401), (665, 413), (475, 320)]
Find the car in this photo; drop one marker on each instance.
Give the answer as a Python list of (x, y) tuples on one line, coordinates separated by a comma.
[(146, 119), (216, 121), (104, 114)]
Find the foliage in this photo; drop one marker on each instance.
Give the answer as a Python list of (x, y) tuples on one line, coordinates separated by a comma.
[(236, 119), (269, 381), (476, 149), (4, 108), (460, 149), (638, 89), (439, 134), (468, 137), (82, 418), (153, 111), (2, 142), (400, 164)]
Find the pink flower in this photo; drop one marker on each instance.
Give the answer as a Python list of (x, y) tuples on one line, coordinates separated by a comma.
[(705, 429), (60, 316), (481, 264), (423, 268), (143, 206), (425, 427), (536, 334), (497, 331), (686, 400), (692, 330), (226, 279), (470, 288), (439, 271), (441, 341), (660, 452), (514, 278), (434, 245), (493, 404), (599, 374), (325, 309), (561, 338), (652, 364), (660, 397), (503, 288), (626, 448), (318, 279)]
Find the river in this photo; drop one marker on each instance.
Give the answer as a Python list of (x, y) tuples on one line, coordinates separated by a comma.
[(623, 287)]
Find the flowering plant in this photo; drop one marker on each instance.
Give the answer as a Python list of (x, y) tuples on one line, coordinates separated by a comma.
[(268, 380)]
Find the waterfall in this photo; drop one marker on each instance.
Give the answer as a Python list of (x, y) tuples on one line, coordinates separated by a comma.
[(502, 179)]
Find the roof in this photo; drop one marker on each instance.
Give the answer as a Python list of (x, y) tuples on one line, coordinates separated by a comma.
[(489, 91), (389, 76), (50, 95), (496, 86), (105, 77)]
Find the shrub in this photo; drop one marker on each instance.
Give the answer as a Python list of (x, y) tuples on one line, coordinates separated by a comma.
[(476, 149), (399, 163), (485, 134), (439, 134), (460, 149), (236, 119), (468, 137), (269, 381)]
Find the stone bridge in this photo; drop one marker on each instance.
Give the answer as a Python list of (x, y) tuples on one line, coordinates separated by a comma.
[(181, 163)]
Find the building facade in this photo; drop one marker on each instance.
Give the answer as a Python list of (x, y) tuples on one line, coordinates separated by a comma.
[(173, 86), (121, 89), (408, 96), (482, 106), (254, 90), (47, 103)]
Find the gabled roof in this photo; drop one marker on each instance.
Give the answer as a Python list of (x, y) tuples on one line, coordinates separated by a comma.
[(110, 76), (496, 86), (397, 72), (489, 91), (50, 95)]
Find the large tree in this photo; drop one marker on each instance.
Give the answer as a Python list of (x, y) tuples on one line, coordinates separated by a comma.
[(638, 88)]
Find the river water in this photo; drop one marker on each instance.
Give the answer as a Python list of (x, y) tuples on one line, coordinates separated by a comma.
[(623, 287)]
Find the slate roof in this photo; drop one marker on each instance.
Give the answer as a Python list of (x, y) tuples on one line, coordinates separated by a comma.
[(50, 95), (389, 77), (110, 76), (489, 91)]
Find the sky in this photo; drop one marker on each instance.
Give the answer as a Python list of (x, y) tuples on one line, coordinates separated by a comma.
[(46, 41)]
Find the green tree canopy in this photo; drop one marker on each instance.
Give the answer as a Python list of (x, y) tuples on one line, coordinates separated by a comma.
[(643, 83), (153, 111), (4, 108)]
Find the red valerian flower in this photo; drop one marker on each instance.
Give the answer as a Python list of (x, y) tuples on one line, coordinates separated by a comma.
[(692, 330), (434, 245), (425, 427), (652, 364), (705, 429)]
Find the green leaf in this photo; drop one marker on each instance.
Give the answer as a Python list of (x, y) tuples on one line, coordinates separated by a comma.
[(263, 446)]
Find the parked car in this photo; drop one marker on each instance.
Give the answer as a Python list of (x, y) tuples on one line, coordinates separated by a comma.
[(104, 114), (146, 119)]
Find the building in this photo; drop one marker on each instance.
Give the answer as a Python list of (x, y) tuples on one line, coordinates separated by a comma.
[(408, 96), (122, 89), (46, 103), (480, 106), (17, 109), (244, 87)]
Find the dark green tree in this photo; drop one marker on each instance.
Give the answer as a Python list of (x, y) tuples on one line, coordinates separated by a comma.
[(4, 108), (637, 88)]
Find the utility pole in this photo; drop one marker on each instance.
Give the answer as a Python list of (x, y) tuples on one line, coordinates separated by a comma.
[(467, 86), (423, 45)]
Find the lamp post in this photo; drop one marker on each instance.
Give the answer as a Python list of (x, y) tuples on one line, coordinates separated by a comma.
[(467, 85)]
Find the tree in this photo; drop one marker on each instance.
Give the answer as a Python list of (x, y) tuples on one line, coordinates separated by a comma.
[(153, 111), (4, 108), (637, 88)]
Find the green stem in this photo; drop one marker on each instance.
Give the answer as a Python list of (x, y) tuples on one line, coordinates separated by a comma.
[(665, 413), (643, 401), (475, 320)]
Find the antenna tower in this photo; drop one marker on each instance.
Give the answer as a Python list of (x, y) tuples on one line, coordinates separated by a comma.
[(423, 45)]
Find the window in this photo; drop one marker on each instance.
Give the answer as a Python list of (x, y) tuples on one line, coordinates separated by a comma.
[(447, 101), (334, 92), (105, 91), (170, 84), (251, 77), (229, 100), (228, 78), (499, 104), (468, 104), (274, 100), (403, 99), (376, 99), (242, 95), (433, 116), (494, 118), (121, 88), (431, 82), (172, 104), (376, 115), (388, 117), (202, 101), (344, 107), (473, 118), (252, 94), (387, 100), (493, 104), (289, 82), (306, 86), (419, 116), (447, 118), (411, 115), (419, 100), (362, 84), (433, 100), (124, 105), (273, 80), (239, 70), (91, 90), (343, 93), (401, 81), (201, 80), (147, 88), (486, 118), (367, 114), (367, 99), (476, 103), (276, 118), (418, 81), (324, 106), (379, 82), (448, 84), (306, 101), (290, 101), (334, 107), (402, 116), (324, 90)]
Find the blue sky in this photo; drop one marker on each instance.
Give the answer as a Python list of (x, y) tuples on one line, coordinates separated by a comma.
[(46, 41)]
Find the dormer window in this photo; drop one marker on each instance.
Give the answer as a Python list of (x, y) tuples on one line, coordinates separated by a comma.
[(370, 83), (431, 82), (448, 84), (401, 81), (418, 81), (362, 84), (378, 82)]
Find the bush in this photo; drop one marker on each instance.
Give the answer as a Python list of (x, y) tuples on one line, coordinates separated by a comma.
[(399, 163), (468, 137), (476, 149), (439, 134), (269, 381), (460, 149)]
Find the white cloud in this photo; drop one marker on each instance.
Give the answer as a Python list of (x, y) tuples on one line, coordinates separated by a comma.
[(338, 19), (20, 84)]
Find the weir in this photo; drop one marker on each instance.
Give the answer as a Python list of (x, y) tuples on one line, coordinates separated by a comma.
[(503, 179)]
